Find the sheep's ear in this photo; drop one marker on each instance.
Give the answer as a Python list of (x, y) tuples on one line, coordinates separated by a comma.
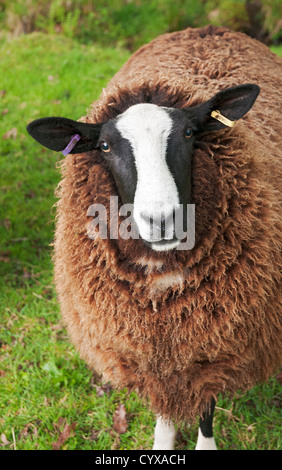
[(226, 107), (65, 135)]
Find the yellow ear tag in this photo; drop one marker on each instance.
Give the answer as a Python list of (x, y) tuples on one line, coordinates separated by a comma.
[(217, 115)]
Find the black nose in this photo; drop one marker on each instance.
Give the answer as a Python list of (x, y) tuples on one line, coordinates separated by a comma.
[(158, 224)]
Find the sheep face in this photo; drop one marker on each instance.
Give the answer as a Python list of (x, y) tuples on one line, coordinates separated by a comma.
[(149, 150)]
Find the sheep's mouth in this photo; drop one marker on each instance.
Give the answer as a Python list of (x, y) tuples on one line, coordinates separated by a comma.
[(162, 245)]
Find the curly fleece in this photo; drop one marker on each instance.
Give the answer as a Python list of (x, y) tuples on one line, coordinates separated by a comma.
[(182, 327)]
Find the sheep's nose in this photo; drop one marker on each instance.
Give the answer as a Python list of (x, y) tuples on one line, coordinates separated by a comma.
[(160, 225)]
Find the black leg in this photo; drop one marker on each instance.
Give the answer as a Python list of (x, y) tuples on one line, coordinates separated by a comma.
[(206, 421)]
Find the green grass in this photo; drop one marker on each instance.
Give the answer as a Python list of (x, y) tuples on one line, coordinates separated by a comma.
[(43, 383), (277, 50), (131, 23)]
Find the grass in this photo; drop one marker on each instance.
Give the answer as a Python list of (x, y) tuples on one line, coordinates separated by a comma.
[(277, 50), (47, 394)]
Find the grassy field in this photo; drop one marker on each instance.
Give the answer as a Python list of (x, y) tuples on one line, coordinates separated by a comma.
[(49, 399)]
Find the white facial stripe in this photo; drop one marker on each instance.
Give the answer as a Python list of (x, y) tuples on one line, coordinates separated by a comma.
[(147, 128)]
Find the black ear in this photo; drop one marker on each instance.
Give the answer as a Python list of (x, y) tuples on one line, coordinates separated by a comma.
[(56, 133), (232, 103)]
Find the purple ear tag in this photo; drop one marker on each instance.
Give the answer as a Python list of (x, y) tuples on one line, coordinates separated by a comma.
[(75, 138)]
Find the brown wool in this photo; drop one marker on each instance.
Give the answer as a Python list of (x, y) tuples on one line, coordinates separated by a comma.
[(183, 326)]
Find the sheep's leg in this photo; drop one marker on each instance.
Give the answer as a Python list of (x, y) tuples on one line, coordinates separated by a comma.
[(164, 435), (205, 435)]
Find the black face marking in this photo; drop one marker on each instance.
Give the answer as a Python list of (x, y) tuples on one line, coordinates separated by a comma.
[(179, 157), (179, 153), (120, 160)]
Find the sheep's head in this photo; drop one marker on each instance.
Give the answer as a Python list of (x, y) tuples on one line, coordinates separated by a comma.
[(148, 150)]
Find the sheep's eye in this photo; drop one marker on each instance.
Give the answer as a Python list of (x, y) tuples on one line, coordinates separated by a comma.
[(188, 133), (105, 147)]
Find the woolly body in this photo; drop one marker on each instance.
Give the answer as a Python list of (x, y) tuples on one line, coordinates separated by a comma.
[(182, 327)]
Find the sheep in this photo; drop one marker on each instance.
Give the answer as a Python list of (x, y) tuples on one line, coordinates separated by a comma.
[(193, 118)]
